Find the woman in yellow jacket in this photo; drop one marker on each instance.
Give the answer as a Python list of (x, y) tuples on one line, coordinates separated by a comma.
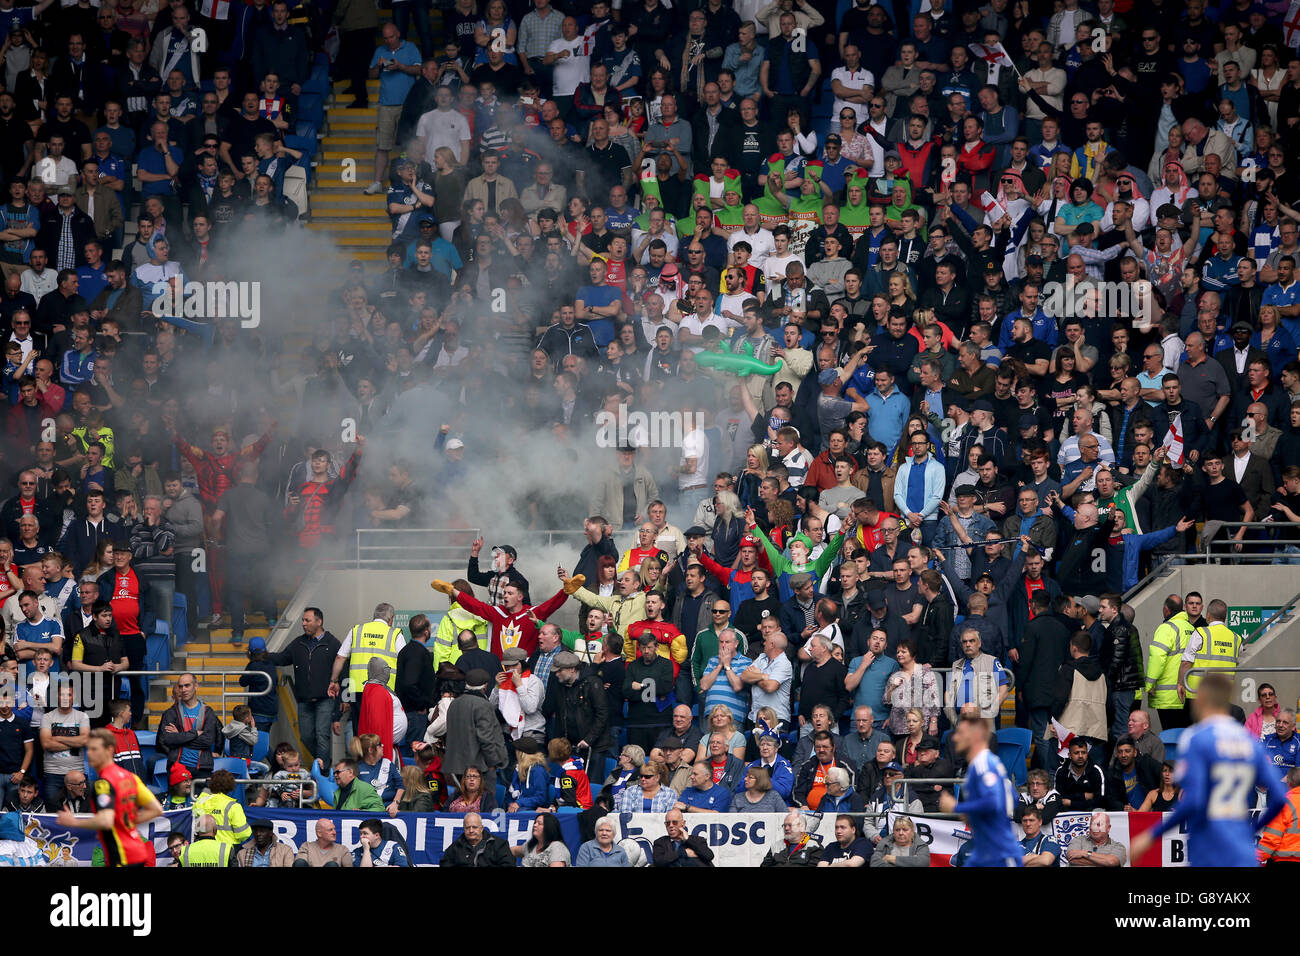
[(457, 619)]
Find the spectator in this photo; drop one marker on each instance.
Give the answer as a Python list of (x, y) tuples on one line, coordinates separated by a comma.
[(474, 737), (324, 851), (476, 847), (189, 731)]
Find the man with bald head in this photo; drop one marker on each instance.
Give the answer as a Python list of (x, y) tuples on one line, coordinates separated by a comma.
[(1204, 383), (325, 850)]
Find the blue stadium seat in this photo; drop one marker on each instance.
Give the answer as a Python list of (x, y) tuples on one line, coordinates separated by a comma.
[(180, 618), (1014, 744), (160, 775), (263, 746), (236, 766), (148, 746), (501, 795), (1170, 739)]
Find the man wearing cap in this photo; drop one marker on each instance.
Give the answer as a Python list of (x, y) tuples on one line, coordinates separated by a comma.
[(963, 525), (929, 765), (576, 706), (264, 849), (474, 737), (882, 800), (624, 493), (503, 572), (63, 237)]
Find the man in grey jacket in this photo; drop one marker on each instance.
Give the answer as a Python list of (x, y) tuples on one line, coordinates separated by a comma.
[(611, 495), (185, 515), (474, 737)]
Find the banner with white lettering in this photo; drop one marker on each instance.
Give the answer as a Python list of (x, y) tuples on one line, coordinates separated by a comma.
[(736, 839), (427, 835)]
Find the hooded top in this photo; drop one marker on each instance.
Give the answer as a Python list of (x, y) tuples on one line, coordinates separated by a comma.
[(895, 212), (856, 216), (805, 213), (771, 210)]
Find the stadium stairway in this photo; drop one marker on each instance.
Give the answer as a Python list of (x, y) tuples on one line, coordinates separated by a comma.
[(216, 653), (355, 222)]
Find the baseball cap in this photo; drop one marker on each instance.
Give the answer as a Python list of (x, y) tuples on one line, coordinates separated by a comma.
[(261, 823), (257, 644), (875, 599), (893, 767), (1034, 260), (828, 376), (672, 743), (505, 549), (1028, 421), (981, 405), (834, 138), (992, 266), (749, 541), (453, 444), (1241, 324), (1090, 602), (893, 154)]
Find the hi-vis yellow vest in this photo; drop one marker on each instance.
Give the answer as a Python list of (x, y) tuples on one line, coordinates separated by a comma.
[(1220, 647), (373, 639), (206, 853)]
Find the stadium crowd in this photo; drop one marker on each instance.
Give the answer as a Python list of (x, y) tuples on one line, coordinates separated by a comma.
[(950, 363)]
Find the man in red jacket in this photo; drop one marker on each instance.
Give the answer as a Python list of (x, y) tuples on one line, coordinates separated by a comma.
[(513, 624), (217, 470)]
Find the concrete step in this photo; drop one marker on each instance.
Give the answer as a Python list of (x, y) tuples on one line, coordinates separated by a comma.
[(352, 201), (350, 121), (330, 182), (355, 140), (342, 226), (372, 86)]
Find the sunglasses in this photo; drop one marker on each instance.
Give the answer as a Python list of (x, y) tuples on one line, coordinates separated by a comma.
[(721, 610), (649, 776)]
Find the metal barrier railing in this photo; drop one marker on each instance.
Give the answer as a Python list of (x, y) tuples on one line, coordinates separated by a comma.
[(241, 694), (302, 786), (898, 793), (1269, 669), (393, 548), (1212, 542)]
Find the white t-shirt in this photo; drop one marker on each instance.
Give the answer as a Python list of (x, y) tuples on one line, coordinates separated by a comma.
[(695, 445), (64, 725), (345, 649), (442, 128), (774, 270), (760, 244), (572, 69), (695, 325), (851, 80)]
